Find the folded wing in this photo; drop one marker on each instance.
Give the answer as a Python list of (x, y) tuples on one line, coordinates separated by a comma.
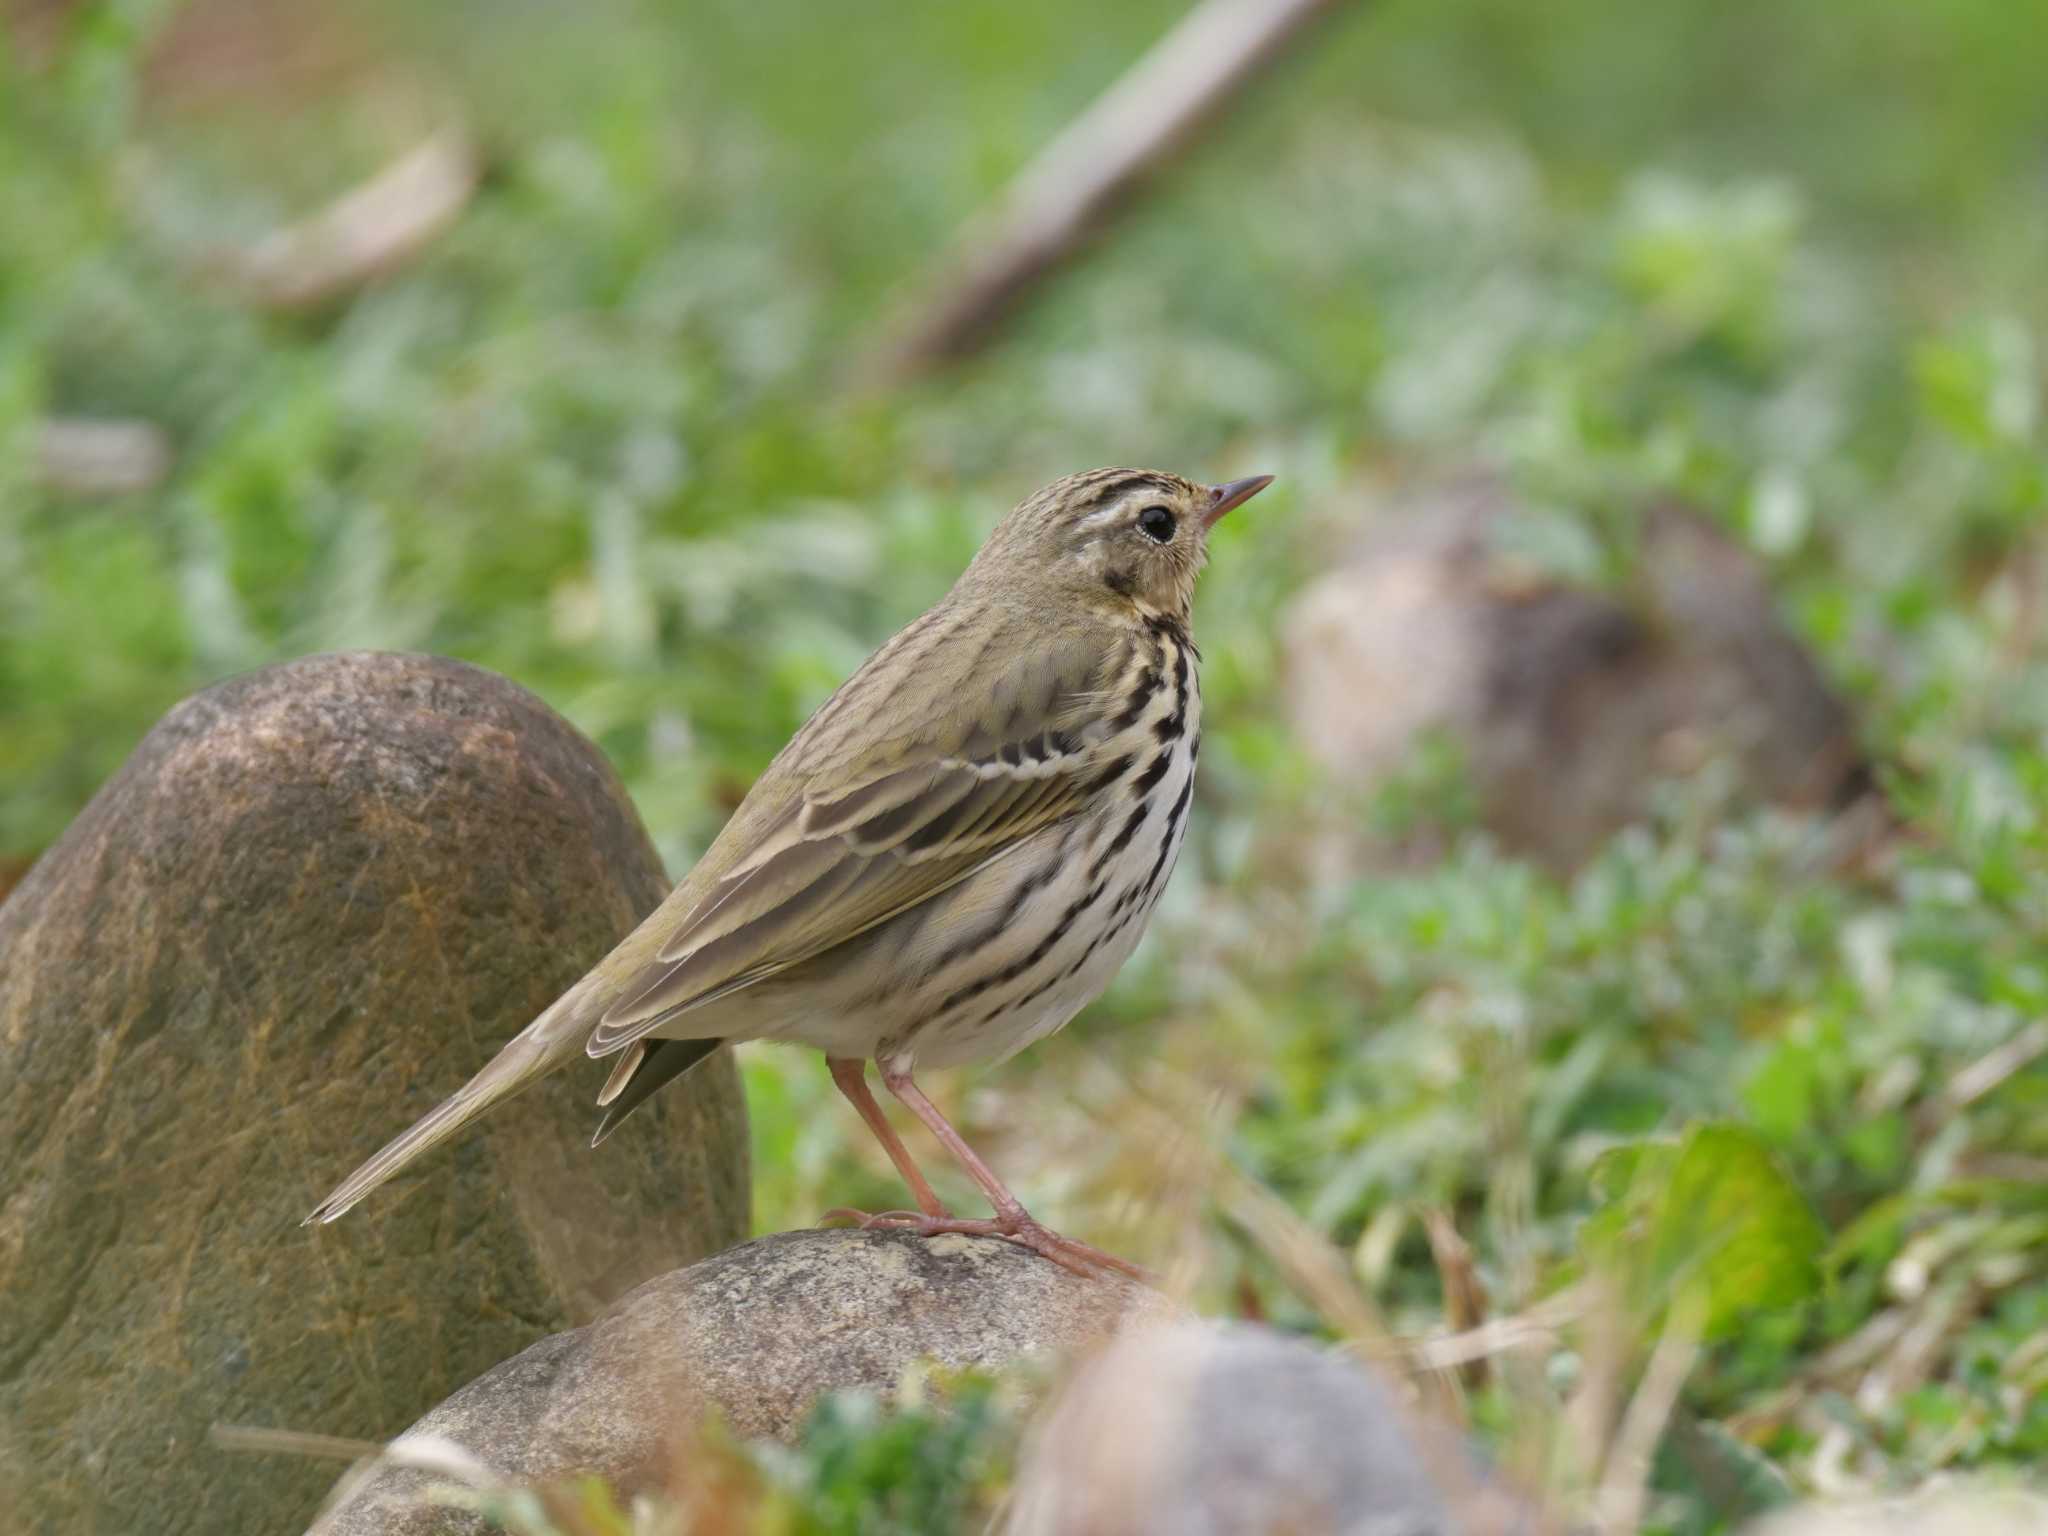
[(878, 827)]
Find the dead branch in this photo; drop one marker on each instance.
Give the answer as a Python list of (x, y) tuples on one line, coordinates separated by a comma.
[(1084, 174), (83, 456), (370, 231), (1983, 1075)]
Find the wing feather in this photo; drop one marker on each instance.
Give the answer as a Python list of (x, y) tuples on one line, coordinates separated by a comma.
[(852, 849)]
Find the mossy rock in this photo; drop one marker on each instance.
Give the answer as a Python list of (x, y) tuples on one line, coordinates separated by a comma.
[(313, 901)]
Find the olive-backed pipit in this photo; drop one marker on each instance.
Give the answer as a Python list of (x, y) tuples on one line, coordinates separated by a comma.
[(951, 858)]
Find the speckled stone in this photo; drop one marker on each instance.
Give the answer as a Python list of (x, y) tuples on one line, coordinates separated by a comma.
[(760, 1333), (313, 901)]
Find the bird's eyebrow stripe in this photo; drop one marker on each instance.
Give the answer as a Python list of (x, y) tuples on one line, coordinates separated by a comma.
[(1119, 487)]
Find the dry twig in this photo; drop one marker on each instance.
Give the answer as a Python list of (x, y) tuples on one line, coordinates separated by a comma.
[(1129, 131), (82, 456), (1984, 1074), (370, 231), (1536, 1331)]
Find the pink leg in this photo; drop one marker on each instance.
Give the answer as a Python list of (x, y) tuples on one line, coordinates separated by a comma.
[(1012, 1221), (852, 1079)]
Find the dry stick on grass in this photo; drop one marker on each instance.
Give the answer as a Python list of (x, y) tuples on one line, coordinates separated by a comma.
[(1983, 1075), (84, 456), (370, 231), (1537, 1331), (1189, 77)]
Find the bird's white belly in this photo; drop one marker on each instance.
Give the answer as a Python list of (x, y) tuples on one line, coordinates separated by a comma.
[(1068, 940)]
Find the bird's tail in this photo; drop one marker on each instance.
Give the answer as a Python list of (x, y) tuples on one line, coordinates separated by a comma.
[(531, 1054)]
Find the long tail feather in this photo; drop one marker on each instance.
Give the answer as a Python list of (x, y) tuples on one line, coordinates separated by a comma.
[(553, 1038)]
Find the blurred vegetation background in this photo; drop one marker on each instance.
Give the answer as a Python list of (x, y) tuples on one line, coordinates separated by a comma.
[(601, 434)]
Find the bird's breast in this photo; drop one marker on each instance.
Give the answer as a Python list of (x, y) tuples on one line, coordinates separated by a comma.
[(1016, 951)]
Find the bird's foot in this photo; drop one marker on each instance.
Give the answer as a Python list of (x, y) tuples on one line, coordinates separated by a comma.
[(1067, 1252), (1025, 1231), (923, 1223)]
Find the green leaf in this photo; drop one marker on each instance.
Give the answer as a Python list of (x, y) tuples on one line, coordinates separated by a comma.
[(1711, 1217)]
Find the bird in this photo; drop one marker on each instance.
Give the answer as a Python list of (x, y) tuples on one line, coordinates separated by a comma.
[(950, 859)]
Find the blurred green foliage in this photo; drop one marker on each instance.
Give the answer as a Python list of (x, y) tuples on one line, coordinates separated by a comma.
[(1781, 262), (938, 1460), (1708, 1225)]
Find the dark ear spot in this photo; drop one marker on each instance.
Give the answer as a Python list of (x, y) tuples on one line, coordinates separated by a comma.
[(1121, 582)]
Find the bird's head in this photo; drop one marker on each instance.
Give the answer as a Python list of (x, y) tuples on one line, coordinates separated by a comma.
[(1115, 537)]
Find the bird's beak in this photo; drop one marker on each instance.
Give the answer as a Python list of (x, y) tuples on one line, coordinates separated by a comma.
[(1236, 493)]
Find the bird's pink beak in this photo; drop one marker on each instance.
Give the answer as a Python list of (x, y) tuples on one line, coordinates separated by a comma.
[(1235, 494)]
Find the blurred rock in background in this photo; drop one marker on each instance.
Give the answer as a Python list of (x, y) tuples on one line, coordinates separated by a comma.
[(1566, 702), (314, 900), (1195, 1430)]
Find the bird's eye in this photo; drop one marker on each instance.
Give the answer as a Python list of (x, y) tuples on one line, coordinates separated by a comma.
[(1156, 523)]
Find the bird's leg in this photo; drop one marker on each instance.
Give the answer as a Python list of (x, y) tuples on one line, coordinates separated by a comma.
[(1011, 1221), (851, 1076)]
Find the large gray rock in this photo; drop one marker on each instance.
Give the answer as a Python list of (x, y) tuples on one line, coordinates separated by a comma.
[(1568, 702), (1193, 1430), (312, 902), (759, 1333)]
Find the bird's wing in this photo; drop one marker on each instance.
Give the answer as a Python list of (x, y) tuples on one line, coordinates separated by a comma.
[(874, 808)]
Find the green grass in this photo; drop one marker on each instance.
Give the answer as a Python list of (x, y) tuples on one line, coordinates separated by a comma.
[(599, 439)]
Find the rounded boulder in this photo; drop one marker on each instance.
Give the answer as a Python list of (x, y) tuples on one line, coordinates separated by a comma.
[(313, 901), (757, 1334)]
